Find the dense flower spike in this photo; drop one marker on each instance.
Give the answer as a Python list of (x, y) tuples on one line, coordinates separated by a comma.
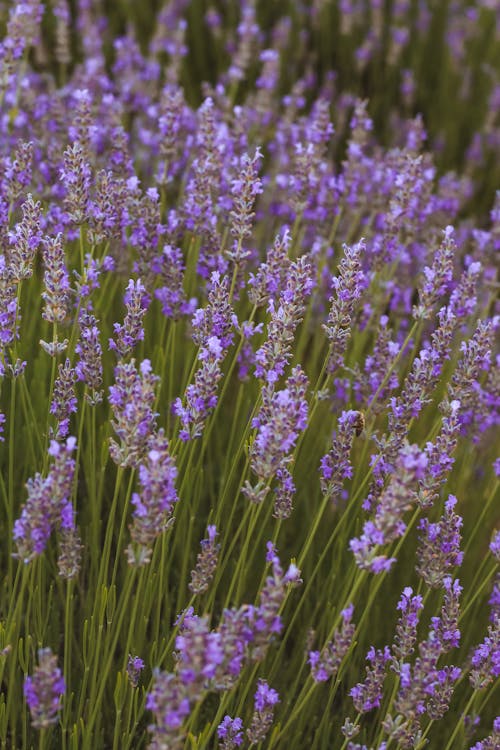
[(19, 172), (335, 466), (154, 504), (271, 277), (56, 295), (64, 401), (170, 269), (132, 399), (206, 562), (230, 732), (132, 330), (486, 658), (347, 286), (49, 503), (273, 356), (387, 523), (89, 365), (282, 417), (406, 629), (25, 240), (439, 549), (44, 690), (325, 664), (245, 189), (213, 659), (426, 687), (76, 177), (492, 741), (9, 305), (212, 332), (264, 701), (368, 694), (438, 277)]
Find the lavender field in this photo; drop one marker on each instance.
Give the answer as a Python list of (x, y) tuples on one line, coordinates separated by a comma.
[(250, 375)]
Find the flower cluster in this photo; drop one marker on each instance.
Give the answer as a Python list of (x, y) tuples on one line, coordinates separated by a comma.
[(213, 660), (48, 506), (44, 690), (154, 504), (206, 563), (325, 664), (132, 400)]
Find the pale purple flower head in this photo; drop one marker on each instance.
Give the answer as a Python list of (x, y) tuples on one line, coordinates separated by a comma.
[(44, 690)]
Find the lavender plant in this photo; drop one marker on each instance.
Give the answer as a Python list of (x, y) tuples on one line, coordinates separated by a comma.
[(249, 296)]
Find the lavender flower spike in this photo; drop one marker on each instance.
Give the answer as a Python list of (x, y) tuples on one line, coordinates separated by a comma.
[(48, 505), (230, 732), (132, 399), (265, 700), (348, 285), (327, 663), (135, 665), (438, 277), (132, 330), (44, 690), (206, 563), (154, 504), (245, 189)]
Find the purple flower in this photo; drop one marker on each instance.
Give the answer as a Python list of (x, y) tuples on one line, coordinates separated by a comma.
[(440, 454), (25, 240), (335, 465), (348, 286), (48, 505), (282, 417), (265, 696), (132, 330), (244, 189), (9, 308), (76, 178), (56, 294), (325, 664), (132, 399), (44, 690), (212, 332), (406, 630), (387, 523), (486, 658), (438, 277), (264, 701), (169, 268), (135, 665), (284, 493), (439, 546), (206, 563), (493, 741), (230, 731), (18, 171), (368, 694), (495, 545), (271, 278), (64, 401), (273, 356), (153, 505), (89, 365)]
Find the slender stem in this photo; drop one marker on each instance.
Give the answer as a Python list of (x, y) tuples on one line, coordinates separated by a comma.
[(459, 725)]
